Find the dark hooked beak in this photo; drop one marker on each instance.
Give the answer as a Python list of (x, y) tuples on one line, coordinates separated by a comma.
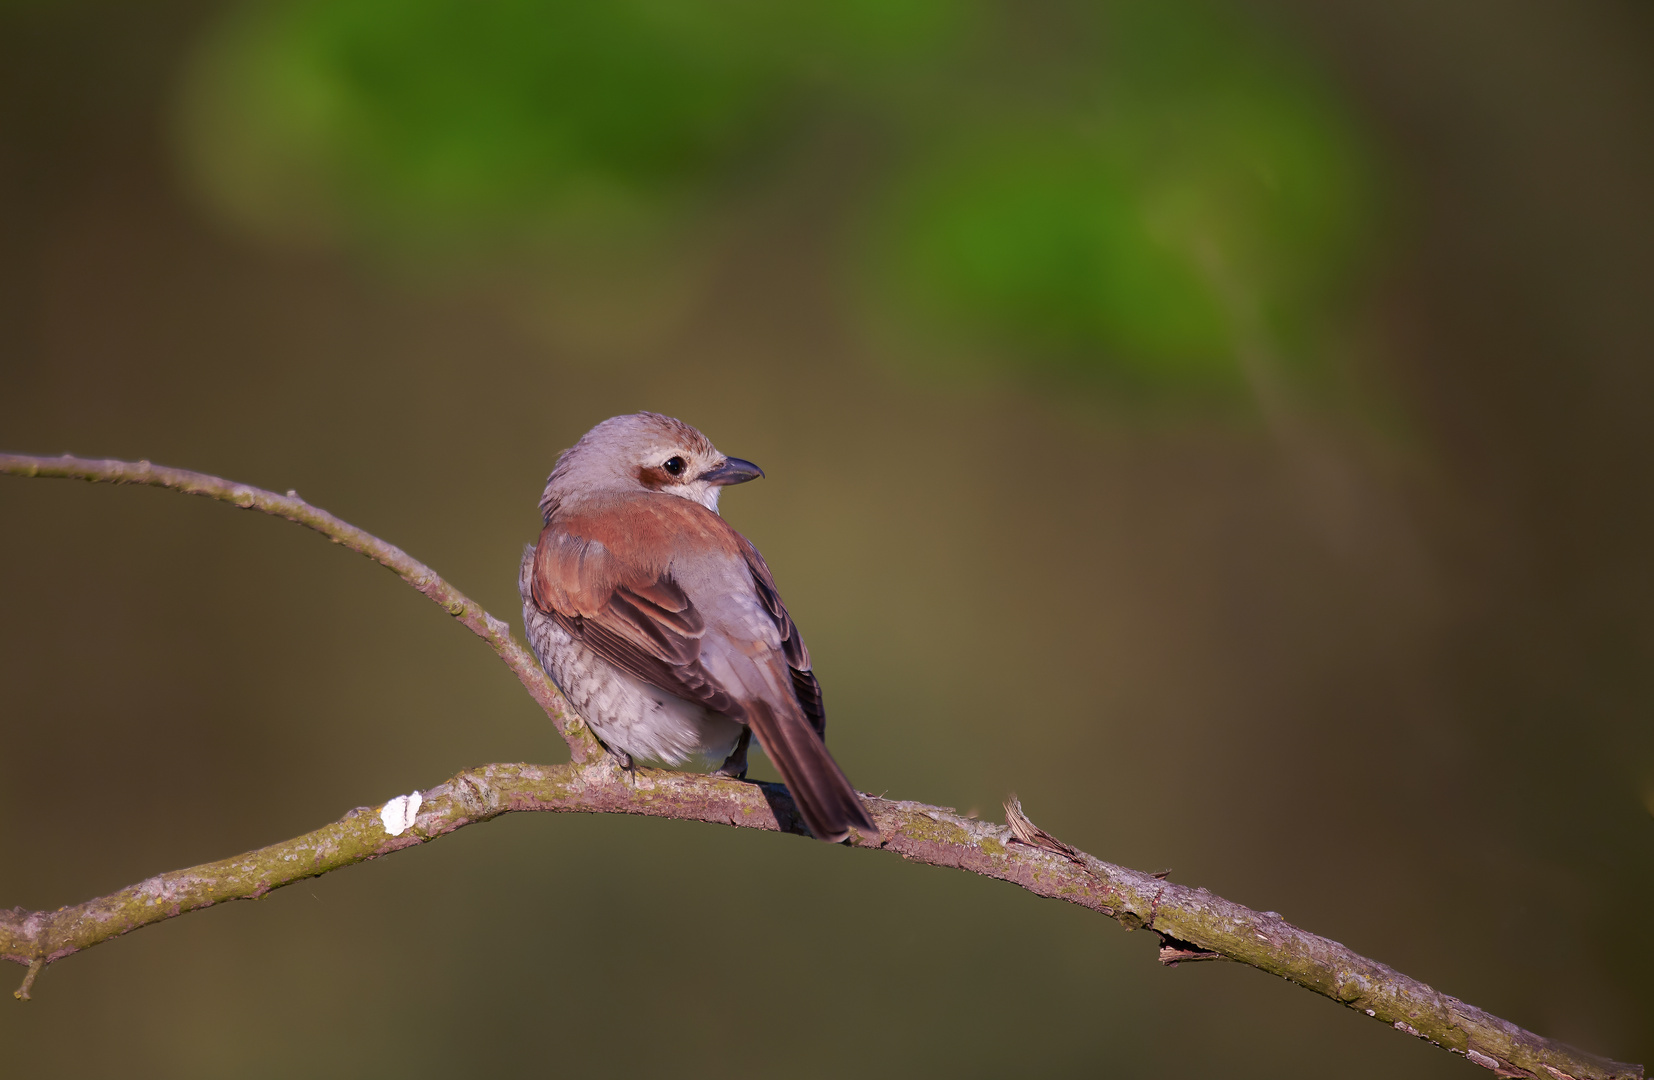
[(732, 471)]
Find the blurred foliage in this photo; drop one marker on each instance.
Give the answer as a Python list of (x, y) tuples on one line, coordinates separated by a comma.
[(422, 120), (1087, 187), (1189, 176)]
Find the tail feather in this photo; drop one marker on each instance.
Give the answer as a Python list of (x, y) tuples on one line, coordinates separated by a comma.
[(830, 806)]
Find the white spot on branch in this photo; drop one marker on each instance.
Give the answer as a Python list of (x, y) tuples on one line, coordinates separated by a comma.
[(398, 814)]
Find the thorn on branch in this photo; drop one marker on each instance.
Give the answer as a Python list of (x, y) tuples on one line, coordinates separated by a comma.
[(22, 992), (1026, 832), (1174, 951)]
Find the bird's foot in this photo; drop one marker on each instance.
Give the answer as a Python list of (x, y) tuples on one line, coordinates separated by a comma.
[(622, 760), (735, 766), (730, 770)]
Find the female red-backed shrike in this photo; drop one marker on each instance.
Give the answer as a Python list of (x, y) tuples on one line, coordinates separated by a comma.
[(661, 624)]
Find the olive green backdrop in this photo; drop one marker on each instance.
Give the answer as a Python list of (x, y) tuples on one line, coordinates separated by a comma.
[(1231, 427)]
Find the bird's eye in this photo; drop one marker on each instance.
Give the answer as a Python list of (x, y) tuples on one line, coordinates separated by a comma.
[(674, 465)]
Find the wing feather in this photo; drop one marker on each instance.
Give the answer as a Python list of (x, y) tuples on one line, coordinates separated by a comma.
[(805, 686), (628, 611)]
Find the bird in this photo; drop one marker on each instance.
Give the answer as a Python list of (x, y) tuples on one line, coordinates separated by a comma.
[(662, 625)]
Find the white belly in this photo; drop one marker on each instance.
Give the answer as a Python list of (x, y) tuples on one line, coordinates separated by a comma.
[(626, 712)]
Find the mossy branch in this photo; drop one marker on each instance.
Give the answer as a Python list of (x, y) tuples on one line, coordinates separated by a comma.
[(1192, 923)]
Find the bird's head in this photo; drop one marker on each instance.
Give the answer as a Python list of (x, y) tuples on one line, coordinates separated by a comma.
[(644, 452)]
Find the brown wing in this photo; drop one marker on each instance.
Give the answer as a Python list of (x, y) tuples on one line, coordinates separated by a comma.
[(805, 686), (632, 615)]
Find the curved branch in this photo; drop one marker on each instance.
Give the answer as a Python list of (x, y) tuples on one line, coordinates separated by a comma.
[(1192, 923), (582, 744)]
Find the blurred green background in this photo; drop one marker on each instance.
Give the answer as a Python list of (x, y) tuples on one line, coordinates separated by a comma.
[(1228, 424)]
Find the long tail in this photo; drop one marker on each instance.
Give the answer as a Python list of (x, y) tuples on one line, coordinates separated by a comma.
[(830, 806)]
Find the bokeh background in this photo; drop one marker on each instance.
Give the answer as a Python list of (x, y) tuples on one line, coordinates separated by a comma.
[(1227, 423)]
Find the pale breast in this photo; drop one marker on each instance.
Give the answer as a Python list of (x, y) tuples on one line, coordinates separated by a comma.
[(627, 713)]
